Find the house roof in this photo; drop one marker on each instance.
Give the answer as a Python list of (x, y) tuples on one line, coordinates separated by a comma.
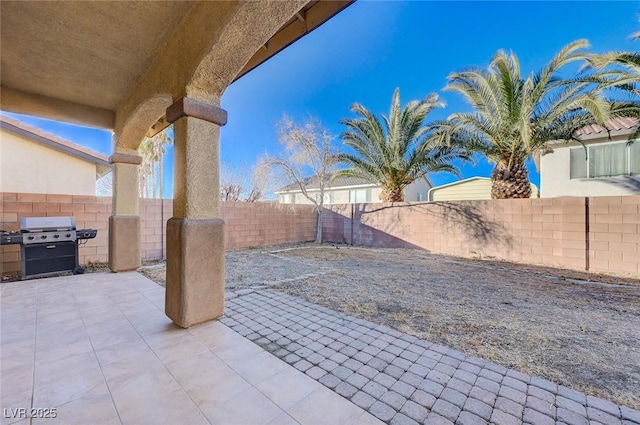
[(614, 124), (313, 182), (55, 142)]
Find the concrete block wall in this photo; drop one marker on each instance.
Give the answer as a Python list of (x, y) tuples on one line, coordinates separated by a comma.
[(89, 212), (248, 224), (614, 234), (598, 234)]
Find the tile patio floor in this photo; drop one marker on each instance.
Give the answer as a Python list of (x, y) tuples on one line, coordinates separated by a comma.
[(100, 350)]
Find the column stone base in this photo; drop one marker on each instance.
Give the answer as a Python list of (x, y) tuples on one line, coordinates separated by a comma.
[(195, 270), (124, 243)]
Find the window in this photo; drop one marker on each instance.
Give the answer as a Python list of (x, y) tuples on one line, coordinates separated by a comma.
[(634, 158), (359, 196), (618, 159)]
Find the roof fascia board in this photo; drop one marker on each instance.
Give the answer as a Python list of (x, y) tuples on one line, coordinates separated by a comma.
[(50, 108), (360, 186), (54, 145)]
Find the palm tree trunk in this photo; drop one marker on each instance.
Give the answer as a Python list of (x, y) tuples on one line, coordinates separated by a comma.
[(510, 182), (161, 172), (392, 195)]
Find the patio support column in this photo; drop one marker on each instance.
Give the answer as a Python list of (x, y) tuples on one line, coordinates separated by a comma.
[(195, 233), (124, 223)]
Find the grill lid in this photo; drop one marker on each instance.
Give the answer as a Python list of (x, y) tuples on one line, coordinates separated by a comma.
[(47, 224)]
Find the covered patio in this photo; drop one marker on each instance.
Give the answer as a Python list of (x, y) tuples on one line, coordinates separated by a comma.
[(98, 349), (134, 68), (117, 348)]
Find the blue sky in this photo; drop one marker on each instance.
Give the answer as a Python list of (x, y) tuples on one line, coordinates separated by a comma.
[(369, 49)]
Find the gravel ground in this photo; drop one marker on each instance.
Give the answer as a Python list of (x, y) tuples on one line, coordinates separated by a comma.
[(545, 322)]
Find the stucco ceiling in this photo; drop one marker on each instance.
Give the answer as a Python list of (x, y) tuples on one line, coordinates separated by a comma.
[(80, 61), (90, 53)]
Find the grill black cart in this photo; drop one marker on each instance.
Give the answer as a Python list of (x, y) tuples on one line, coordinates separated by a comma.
[(48, 245)]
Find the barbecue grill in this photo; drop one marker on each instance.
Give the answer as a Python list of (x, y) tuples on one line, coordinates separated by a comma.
[(48, 245)]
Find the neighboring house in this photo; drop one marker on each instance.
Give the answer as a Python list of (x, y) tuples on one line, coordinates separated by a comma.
[(348, 190), (32, 161), (472, 188), (610, 165)]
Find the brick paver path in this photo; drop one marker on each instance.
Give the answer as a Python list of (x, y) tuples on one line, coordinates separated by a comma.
[(402, 379)]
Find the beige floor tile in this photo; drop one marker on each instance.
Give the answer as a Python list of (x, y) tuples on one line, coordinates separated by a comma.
[(53, 330), (16, 355), (323, 406), (257, 367), (249, 407), (146, 316), (17, 398), (59, 319), (208, 380), (121, 369), (170, 408), (145, 370), (111, 421), (155, 326), (69, 388), (91, 409), (17, 331), (115, 324), (102, 314), (179, 348), (158, 339), (123, 350), (237, 348), (284, 419), (13, 421), (111, 337), (288, 387), (47, 353), (137, 388), (52, 338), (47, 372), (215, 335)]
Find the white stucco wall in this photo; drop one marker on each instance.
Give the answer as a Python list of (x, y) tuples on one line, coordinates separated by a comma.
[(555, 177), (29, 167), (417, 191)]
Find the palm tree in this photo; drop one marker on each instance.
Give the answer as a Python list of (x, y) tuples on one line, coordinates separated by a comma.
[(397, 151), (152, 150), (164, 138), (514, 117)]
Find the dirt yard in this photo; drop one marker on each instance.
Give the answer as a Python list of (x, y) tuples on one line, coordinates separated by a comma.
[(545, 322)]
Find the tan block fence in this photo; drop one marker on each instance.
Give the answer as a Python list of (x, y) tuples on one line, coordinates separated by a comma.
[(247, 224), (599, 234)]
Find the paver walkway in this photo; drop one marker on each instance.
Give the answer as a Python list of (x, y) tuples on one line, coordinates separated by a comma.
[(404, 380)]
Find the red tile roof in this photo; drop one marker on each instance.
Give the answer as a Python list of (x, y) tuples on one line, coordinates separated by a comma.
[(614, 124)]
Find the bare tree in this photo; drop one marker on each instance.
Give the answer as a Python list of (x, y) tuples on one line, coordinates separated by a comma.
[(241, 183), (308, 151)]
